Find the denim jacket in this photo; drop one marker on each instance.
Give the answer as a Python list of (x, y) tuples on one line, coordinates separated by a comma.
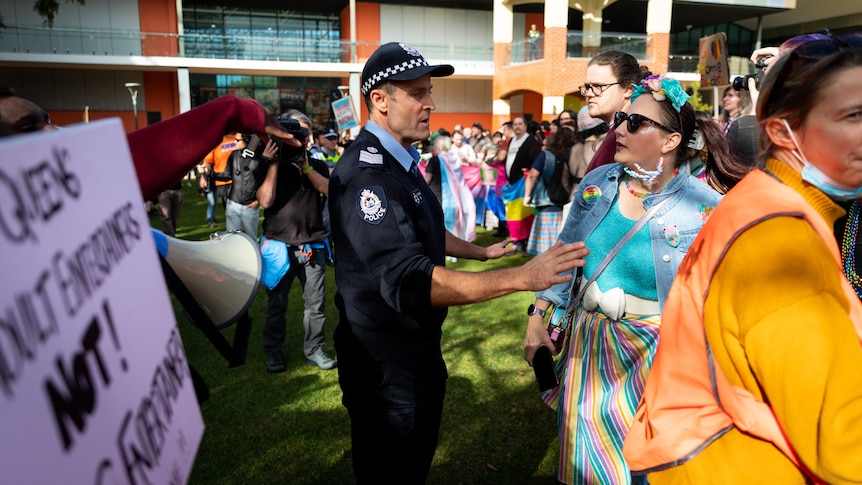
[(672, 229), (539, 197)]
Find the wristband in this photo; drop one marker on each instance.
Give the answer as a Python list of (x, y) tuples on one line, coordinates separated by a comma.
[(308, 170)]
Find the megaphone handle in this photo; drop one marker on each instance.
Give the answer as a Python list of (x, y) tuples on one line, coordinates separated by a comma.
[(196, 313), (240, 340)]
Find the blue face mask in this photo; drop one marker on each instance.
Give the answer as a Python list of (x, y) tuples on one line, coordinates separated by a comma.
[(817, 178)]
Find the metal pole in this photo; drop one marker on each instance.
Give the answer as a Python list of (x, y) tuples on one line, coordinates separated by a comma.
[(133, 90)]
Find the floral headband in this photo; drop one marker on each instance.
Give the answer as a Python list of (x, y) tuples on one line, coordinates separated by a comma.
[(662, 89)]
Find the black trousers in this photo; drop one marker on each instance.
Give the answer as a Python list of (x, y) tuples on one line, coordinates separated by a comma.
[(395, 410)]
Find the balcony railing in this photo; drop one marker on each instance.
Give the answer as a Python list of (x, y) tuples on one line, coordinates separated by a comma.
[(269, 46), (299, 46), (581, 45)]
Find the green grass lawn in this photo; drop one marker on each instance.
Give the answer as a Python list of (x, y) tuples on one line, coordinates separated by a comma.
[(291, 428)]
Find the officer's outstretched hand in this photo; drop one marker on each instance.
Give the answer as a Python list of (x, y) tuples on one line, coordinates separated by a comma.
[(500, 249), (545, 270)]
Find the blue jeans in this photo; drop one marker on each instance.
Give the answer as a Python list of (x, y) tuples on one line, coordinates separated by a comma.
[(211, 202), (312, 278), (238, 217)]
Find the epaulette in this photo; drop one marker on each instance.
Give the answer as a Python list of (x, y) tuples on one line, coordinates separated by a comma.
[(370, 155)]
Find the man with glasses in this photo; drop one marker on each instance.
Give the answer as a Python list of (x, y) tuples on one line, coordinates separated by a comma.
[(607, 88)]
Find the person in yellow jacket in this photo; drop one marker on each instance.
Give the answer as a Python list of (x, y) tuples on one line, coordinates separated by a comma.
[(758, 377)]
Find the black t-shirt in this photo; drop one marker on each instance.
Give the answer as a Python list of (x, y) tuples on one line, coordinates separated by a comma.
[(296, 215)]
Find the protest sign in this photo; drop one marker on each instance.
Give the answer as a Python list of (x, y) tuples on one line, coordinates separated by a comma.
[(712, 63), (94, 383), (345, 115)]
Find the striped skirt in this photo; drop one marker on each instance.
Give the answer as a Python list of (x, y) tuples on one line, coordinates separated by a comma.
[(602, 372)]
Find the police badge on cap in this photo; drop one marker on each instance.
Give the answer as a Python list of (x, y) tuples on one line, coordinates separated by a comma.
[(397, 61)]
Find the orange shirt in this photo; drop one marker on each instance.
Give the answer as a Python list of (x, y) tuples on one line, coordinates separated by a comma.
[(217, 158)]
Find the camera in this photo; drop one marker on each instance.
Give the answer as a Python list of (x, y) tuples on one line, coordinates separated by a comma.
[(740, 83), (287, 153)]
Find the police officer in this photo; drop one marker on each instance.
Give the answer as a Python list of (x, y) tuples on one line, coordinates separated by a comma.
[(393, 287), (329, 148)]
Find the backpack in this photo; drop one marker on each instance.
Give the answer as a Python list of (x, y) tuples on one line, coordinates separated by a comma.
[(557, 191)]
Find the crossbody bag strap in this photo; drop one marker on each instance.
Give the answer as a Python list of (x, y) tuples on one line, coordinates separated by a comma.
[(616, 249)]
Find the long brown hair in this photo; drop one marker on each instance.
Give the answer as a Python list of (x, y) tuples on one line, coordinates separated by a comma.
[(723, 168)]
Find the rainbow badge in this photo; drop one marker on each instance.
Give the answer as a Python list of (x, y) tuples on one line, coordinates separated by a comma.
[(592, 194)]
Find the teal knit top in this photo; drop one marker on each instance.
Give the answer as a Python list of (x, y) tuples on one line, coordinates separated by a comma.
[(632, 269)]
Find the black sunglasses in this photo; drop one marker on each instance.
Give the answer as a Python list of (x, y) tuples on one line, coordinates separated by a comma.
[(634, 121)]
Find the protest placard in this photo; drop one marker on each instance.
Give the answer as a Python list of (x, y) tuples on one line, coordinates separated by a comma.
[(345, 115), (712, 63), (94, 382)]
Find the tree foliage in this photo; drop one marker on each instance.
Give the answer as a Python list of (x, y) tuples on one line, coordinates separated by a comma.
[(47, 9)]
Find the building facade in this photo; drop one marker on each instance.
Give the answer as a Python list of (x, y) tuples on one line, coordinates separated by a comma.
[(182, 53)]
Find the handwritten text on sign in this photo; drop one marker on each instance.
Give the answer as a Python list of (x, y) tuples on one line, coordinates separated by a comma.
[(93, 376)]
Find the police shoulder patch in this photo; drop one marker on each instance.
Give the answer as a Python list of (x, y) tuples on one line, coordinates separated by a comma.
[(372, 204)]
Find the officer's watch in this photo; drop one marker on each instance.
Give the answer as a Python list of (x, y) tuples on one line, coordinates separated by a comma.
[(532, 310)]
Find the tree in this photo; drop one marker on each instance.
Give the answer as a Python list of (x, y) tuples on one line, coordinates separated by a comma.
[(46, 9)]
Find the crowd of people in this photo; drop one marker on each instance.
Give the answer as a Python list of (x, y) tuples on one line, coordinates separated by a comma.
[(711, 296)]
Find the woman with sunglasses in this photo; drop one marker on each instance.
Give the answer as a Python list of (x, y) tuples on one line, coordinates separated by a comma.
[(649, 193), (758, 378)]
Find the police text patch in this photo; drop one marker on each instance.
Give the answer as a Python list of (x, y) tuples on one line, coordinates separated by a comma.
[(372, 204)]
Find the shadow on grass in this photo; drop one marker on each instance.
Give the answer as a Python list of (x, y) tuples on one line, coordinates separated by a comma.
[(291, 428)]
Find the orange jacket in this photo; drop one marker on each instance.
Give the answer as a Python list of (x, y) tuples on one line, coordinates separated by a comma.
[(688, 402)]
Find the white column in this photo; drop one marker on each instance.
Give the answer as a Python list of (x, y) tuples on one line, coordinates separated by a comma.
[(503, 20), (500, 108), (356, 98), (184, 89), (556, 13), (658, 16), (552, 105), (592, 17)]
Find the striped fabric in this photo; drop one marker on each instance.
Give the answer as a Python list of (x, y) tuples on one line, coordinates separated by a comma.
[(518, 217), (602, 373), (545, 231)]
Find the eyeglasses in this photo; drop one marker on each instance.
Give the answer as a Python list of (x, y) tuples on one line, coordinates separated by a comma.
[(596, 89), (634, 122), (814, 51)]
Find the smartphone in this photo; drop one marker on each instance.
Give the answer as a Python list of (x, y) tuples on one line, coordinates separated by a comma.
[(543, 367)]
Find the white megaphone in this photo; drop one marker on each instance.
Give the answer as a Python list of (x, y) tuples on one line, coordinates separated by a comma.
[(222, 274)]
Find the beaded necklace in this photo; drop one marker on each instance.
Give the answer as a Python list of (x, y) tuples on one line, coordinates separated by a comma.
[(646, 194), (848, 247)]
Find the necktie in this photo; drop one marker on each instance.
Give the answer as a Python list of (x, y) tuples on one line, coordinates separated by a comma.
[(415, 171)]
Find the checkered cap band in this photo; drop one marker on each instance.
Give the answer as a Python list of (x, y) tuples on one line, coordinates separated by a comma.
[(376, 78)]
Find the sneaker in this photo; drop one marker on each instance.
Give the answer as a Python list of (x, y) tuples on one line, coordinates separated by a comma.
[(320, 359), (275, 362), (211, 224)]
